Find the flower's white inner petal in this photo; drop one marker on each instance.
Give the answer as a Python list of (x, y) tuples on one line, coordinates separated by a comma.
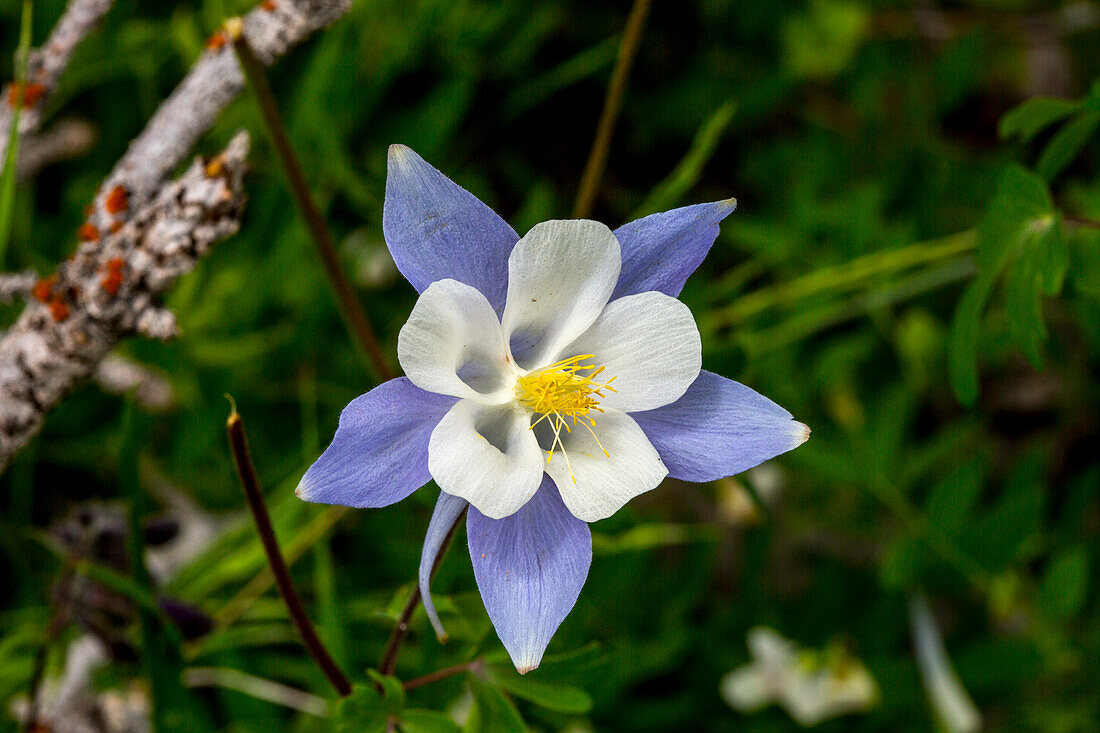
[(560, 275), (649, 343), (452, 344), (487, 455), (603, 483)]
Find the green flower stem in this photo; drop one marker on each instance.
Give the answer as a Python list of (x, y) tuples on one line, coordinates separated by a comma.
[(11, 156), (354, 315), (247, 472)]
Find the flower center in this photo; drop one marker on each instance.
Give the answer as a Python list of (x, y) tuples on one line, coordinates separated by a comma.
[(564, 397)]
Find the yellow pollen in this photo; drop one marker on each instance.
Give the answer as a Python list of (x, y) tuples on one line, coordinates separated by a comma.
[(563, 395)]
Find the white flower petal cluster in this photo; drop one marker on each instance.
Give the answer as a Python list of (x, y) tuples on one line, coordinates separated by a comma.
[(547, 387), (810, 686)]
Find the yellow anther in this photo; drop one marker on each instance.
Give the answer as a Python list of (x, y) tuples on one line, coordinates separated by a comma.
[(564, 393)]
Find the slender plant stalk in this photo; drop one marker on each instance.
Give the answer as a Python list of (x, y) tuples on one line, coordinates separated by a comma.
[(358, 322), (11, 156), (601, 144), (401, 629), (845, 276), (442, 674), (247, 472)]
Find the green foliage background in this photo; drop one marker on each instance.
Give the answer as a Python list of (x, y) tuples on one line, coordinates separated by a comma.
[(912, 270)]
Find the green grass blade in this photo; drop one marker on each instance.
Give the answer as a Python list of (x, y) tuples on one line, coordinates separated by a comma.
[(11, 156)]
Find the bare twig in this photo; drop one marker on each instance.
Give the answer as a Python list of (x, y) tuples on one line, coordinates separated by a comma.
[(17, 285), (601, 144), (401, 629), (110, 289), (441, 674), (357, 321), (251, 485), (61, 141)]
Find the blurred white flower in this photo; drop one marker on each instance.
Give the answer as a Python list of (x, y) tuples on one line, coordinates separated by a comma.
[(811, 686), (953, 706)]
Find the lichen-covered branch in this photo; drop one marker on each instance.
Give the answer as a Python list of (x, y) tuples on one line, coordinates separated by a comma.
[(213, 82), (45, 66), (141, 233), (111, 289)]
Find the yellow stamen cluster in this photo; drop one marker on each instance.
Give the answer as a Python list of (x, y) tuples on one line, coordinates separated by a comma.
[(560, 394)]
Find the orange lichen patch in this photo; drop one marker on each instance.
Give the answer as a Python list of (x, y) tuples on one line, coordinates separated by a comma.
[(115, 227), (43, 289), (87, 232), (269, 5), (25, 95), (112, 281), (58, 309), (216, 41), (117, 201), (215, 167)]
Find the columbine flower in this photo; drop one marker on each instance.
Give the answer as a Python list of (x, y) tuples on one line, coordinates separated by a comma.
[(811, 686), (550, 379)]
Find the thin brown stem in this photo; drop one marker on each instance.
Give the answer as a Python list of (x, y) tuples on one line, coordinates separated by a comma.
[(601, 144), (401, 629), (1083, 222), (357, 321), (442, 674), (247, 472)]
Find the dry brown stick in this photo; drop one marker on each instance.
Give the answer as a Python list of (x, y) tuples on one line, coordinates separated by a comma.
[(601, 144), (251, 485), (401, 629), (441, 674), (350, 307)]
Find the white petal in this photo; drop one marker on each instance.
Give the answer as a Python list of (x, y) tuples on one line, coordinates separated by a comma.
[(560, 276), (649, 344), (452, 344), (604, 484), (486, 455)]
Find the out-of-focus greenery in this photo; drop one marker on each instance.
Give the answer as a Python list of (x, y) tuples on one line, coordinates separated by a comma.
[(912, 270)]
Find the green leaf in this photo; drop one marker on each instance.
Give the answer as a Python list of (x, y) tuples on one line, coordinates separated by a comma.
[(1019, 220), (902, 563), (367, 709), (493, 712), (1035, 115), (1039, 270), (427, 721), (1066, 144), (1064, 588), (1084, 255), (952, 498), (821, 42), (555, 696)]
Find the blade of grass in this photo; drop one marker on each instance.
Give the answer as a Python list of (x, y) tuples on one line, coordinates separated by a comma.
[(11, 156), (686, 173)]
